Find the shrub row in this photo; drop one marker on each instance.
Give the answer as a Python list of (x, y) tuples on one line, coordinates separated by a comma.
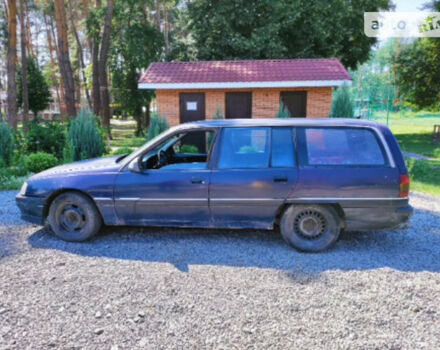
[(47, 143)]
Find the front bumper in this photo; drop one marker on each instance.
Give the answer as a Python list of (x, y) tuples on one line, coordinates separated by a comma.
[(31, 208)]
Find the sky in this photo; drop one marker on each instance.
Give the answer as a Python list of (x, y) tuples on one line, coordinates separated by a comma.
[(409, 5)]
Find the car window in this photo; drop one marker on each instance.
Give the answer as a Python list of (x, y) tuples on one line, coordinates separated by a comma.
[(342, 146), (188, 150), (244, 148), (194, 142), (283, 151)]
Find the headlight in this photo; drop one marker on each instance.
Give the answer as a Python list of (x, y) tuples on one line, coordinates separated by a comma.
[(23, 189)]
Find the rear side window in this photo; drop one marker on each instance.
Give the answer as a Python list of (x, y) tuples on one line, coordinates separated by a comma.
[(244, 148), (283, 152), (340, 146)]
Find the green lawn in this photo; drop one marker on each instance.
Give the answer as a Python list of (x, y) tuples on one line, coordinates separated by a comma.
[(413, 131), (123, 134), (426, 176)]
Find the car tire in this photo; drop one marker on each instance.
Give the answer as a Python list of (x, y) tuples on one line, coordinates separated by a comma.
[(74, 217), (310, 228)]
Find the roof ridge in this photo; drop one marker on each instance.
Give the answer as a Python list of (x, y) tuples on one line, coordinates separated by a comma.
[(251, 60)]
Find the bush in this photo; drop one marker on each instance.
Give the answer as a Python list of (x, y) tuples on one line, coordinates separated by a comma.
[(36, 162), (123, 150), (342, 104), (6, 144), (84, 139), (418, 168), (45, 136), (9, 180), (218, 114), (189, 149), (283, 112), (158, 124)]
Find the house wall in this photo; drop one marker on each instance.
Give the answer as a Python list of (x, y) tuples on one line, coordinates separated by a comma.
[(265, 102)]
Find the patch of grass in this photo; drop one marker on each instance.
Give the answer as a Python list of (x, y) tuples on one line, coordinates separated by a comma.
[(420, 143), (425, 175), (10, 179), (413, 130), (123, 134), (132, 142)]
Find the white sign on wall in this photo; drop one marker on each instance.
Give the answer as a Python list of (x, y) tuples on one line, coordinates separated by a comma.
[(191, 106)]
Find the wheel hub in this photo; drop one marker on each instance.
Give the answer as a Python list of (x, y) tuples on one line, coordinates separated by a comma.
[(310, 224), (72, 218)]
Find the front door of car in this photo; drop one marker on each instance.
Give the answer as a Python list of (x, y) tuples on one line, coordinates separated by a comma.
[(174, 193), (255, 172)]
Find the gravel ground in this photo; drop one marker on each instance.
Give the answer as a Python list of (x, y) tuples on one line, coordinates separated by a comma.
[(218, 289)]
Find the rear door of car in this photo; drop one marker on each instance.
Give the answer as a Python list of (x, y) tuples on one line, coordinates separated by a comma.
[(345, 163), (254, 172)]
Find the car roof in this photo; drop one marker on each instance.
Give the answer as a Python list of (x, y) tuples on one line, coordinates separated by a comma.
[(279, 122)]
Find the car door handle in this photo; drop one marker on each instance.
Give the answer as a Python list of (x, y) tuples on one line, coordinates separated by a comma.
[(197, 180), (280, 179)]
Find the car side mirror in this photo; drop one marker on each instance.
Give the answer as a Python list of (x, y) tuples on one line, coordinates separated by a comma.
[(134, 166)]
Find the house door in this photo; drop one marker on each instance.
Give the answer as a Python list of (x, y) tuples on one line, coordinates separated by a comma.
[(295, 102), (192, 106), (238, 105)]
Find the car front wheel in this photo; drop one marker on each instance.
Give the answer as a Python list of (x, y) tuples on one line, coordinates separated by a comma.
[(74, 217), (310, 228)]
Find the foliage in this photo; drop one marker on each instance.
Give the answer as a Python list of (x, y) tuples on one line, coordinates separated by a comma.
[(181, 42), (189, 149), (424, 174), (418, 167), (38, 89), (7, 144), (218, 114), (248, 149), (123, 150), (373, 81), (45, 136), (283, 112), (9, 180), (37, 162), (417, 71), (232, 29), (342, 104), (158, 124), (136, 43), (84, 139)]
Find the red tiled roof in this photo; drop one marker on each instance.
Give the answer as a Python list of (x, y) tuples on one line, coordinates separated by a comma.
[(245, 71)]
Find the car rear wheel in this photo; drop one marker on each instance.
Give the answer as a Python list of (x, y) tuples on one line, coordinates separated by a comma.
[(310, 228), (74, 217)]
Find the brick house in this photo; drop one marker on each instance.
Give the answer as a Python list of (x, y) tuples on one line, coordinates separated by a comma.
[(187, 91)]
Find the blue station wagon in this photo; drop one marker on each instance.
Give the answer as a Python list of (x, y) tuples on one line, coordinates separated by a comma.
[(311, 178)]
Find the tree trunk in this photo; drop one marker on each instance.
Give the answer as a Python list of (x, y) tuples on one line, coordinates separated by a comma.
[(146, 118), (61, 84), (102, 67), (63, 57), (11, 65), (85, 8), (28, 34), (24, 82), (96, 98), (52, 62), (165, 29), (157, 15), (80, 53)]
